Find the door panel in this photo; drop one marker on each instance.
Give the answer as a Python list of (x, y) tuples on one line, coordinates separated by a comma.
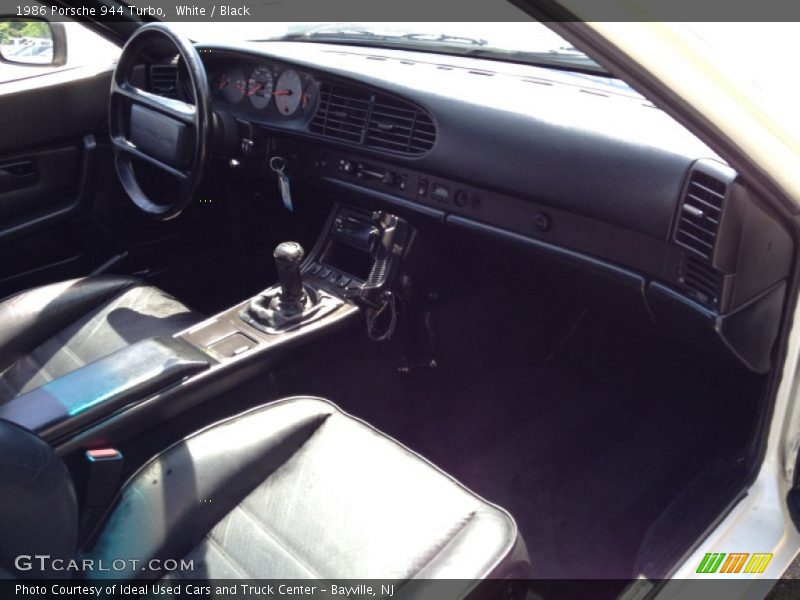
[(38, 183), (48, 158), (49, 110)]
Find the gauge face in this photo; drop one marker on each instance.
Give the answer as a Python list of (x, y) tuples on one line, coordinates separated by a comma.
[(309, 96), (288, 92), (231, 85), (260, 86)]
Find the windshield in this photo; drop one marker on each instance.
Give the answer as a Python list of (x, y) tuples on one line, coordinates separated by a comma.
[(528, 42)]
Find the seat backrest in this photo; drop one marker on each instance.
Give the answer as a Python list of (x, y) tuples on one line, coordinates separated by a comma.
[(38, 505)]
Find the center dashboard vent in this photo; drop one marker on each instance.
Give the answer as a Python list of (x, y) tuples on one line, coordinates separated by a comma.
[(373, 120), (342, 113), (401, 127), (164, 80)]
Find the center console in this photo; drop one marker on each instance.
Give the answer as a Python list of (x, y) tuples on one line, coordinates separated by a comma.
[(351, 268), (315, 290)]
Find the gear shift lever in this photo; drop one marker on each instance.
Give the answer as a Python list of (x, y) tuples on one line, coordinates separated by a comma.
[(288, 257), (291, 304)]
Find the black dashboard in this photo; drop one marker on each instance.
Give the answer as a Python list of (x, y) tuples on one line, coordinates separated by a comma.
[(573, 166)]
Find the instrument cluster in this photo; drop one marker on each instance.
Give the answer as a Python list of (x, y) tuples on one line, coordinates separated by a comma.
[(263, 86)]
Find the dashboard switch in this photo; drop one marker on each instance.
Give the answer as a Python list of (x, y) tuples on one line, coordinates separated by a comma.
[(246, 146), (542, 222), (389, 178), (422, 188), (441, 193)]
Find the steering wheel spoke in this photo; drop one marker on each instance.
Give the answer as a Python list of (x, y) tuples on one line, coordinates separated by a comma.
[(177, 109), (124, 145)]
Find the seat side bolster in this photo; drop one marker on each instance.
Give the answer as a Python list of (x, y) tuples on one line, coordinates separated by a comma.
[(486, 546), (172, 503), (31, 317), (38, 503)]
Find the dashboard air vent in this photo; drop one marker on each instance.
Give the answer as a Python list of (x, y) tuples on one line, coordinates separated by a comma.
[(342, 113), (700, 213), (376, 121), (400, 127), (701, 279), (164, 80)]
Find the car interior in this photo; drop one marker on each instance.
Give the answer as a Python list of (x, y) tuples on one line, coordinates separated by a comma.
[(413, 315)]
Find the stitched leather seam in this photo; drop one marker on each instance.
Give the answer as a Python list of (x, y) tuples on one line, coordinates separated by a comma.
[(462, 527), (38, 366), (513, 539), (72, 355), (237, 566), (9, 386), (282, 544), (105, 309)]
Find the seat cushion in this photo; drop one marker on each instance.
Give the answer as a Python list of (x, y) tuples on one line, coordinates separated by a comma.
[(300, 489), (51, 330)]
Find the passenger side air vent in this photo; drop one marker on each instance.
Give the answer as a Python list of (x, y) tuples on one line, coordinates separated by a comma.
[(702, 280), (400, 127), (700, 213), (342, 113), (164, 80), (376, 121)]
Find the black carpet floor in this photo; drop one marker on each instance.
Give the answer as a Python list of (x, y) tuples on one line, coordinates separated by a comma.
[(584, 428)]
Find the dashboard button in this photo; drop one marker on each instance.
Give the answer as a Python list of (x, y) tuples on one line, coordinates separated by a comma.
[(440, 192), (246, 146), (324, 273), (422, 188), (542, 222)]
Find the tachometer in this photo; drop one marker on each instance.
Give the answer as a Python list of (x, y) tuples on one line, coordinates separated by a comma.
[(260, 86), (231, 85), (288, 92)]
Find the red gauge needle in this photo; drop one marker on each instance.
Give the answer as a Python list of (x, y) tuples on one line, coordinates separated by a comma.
[(255, 89), (223, 84), (282, 93)]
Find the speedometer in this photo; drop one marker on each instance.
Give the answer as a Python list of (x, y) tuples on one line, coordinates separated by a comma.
[(288, 92), (260, 86)]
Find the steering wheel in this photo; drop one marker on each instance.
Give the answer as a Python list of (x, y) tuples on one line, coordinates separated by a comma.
[(169, 134)]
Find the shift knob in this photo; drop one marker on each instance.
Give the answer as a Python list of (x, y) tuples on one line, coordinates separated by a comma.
[(288, 257)]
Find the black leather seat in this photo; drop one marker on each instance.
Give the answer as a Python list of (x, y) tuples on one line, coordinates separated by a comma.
[(51, 330), (292, 489)]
